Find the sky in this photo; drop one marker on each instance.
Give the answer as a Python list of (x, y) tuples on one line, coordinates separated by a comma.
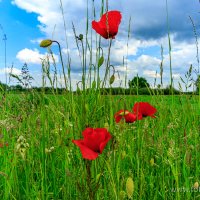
[(27, 22)]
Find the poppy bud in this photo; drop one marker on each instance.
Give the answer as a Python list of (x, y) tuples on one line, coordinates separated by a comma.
[(112, 79), (100, 61), (45, 43), (81, 37)]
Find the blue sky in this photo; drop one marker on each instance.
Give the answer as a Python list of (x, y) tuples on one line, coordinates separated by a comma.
[(27, 22), (19, 26)]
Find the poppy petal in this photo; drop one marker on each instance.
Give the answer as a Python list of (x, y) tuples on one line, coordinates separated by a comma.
[(107, 137), (112, 20), (118, 115), (87, 131), (86, 152), (99, 30), (108, 25), (118, 118), (130, 118), (144, 108)]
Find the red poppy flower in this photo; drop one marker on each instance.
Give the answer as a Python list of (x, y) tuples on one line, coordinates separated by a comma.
[(93, 142), (108, 25), (144, 109), (128, 116)]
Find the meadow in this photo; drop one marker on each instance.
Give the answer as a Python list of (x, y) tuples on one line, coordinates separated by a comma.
[(39, 160), (72, 146)]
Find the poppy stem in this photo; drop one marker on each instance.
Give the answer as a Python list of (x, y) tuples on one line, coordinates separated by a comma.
[(91, 191), (63, 67), (108, 63)]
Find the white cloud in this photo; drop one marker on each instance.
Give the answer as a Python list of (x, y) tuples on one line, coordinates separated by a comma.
[(151, 73), (183, 55), (176, 76), (50, 15), (36, 41), (141, 60), (7, 70), (32, 56)]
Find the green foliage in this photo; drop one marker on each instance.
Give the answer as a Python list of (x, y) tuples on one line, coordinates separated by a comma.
[(187, 80), (197, 84), (138, 82), (53, 163), (2, 86)]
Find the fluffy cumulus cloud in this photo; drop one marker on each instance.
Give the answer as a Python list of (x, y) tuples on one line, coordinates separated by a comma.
[(50, 14), (148, 32), (4, 74), (10, 70), (32, 56)]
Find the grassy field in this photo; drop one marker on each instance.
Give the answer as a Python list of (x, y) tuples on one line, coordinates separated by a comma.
[(158, 156)]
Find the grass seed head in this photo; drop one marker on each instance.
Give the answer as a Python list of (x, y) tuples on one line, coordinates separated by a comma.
[(129, 187), (196, 185), (22, 146), (152, 162)]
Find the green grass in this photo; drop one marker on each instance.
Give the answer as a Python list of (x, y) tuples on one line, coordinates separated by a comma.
[(161, 154)]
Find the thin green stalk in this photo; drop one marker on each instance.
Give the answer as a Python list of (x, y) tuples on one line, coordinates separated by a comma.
[(107, 64), (170, 56), (129, 31), (68, 57), (63, 67)]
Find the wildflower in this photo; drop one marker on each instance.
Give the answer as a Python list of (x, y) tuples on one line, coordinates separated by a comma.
[(5, 144), (51, 149), (128, 116), (144, 109), (22, 146), (108, 25), (93, 142)]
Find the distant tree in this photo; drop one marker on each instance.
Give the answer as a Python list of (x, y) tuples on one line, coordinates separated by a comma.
[(139, 82), (18, 87), (171, 90), (197, 84)]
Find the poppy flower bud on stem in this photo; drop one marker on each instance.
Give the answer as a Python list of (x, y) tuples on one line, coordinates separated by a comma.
[(46, 43), (80, 37)]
